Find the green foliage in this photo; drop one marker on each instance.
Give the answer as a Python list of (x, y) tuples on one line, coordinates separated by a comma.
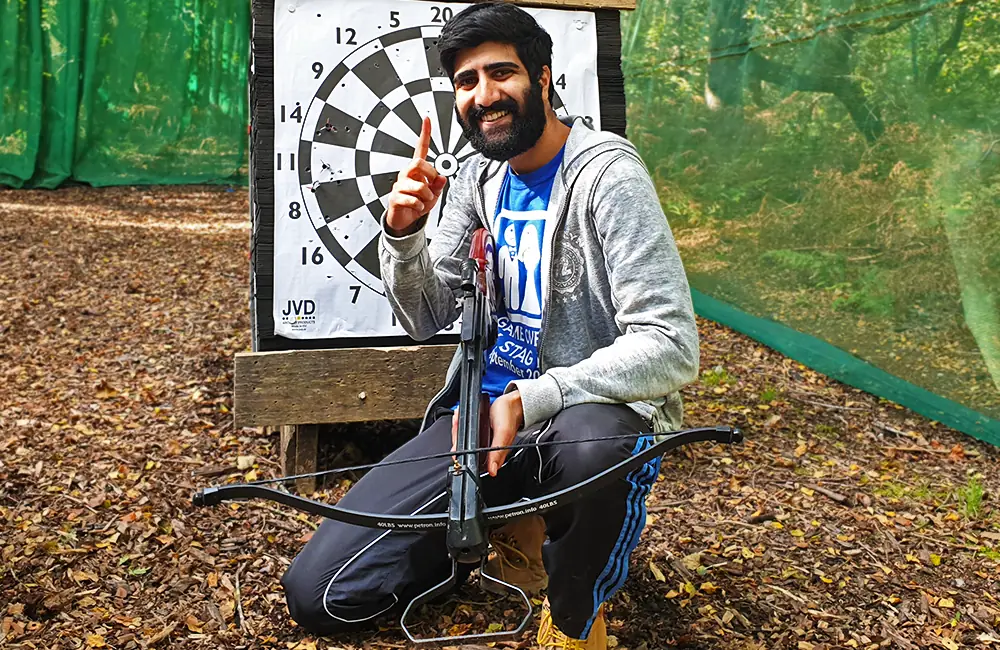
[(814, 268), (717, 376), (921, 492), (768, 395), (971, 497), (891, 490), (835, 166), (869, 297)]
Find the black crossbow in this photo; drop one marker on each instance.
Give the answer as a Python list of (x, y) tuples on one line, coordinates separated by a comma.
[(467, 521)]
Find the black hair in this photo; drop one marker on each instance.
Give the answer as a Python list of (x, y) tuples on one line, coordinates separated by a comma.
[(500, 22)]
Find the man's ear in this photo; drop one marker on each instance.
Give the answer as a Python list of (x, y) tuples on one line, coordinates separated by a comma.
[(544, 79)]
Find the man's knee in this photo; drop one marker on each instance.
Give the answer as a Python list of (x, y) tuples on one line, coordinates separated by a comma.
[(586, 459), (321, 605)]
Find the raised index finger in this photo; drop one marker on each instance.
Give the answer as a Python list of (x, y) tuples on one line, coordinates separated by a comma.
[(424, 143)]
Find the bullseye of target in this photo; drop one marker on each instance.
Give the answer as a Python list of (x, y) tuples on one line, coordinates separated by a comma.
[(361, 128), (446, 164)]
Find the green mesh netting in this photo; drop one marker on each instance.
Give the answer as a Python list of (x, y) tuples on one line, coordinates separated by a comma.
[(122, 91), (832, 168)]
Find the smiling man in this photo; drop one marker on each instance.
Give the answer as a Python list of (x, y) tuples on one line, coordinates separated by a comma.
[(596, 338)]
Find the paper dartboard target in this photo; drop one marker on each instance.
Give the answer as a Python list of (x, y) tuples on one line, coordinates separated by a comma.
[(361, 128)]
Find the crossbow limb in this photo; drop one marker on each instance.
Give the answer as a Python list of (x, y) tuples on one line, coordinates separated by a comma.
[(467, 521)]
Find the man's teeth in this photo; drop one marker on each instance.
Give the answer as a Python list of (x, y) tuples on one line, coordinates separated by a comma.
[(495, 115)]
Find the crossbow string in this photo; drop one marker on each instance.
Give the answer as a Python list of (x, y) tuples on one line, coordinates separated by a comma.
[(445, 454)]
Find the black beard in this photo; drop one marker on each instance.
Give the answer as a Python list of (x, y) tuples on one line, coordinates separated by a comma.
[(525, 129)]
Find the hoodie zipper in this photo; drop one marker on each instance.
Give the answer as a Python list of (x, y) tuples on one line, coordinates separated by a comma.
[(548, 286)]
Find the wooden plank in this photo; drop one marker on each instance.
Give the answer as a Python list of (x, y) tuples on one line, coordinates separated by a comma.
[(343, 385)]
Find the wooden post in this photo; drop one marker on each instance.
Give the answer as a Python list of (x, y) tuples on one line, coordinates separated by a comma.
[(300, 454)]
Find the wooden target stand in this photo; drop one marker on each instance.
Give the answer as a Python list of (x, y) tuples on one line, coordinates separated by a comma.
[(299, 386)]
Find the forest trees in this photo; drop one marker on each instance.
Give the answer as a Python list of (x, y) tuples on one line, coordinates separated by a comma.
[(736, 62), (835, 165)]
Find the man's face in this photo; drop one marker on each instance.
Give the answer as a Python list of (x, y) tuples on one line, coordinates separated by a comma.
[(501, 112)]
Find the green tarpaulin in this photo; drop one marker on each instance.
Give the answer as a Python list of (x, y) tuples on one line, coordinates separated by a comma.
[(113, 92)]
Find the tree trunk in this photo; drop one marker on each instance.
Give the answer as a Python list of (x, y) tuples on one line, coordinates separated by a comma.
[(973, 242), (728, 36), (946, 48), (831, 72)]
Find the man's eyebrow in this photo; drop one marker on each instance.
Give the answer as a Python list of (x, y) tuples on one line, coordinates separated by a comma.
[(501, 64), (490, 67)]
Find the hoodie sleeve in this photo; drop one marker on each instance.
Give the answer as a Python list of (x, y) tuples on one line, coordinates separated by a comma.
[(422, 280), (657, 353)]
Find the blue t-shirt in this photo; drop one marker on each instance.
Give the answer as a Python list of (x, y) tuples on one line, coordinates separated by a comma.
[(522, 231)]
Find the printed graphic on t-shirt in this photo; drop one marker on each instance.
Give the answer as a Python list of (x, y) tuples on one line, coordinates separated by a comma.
[(522, 231), (519, 269), (519, 264)]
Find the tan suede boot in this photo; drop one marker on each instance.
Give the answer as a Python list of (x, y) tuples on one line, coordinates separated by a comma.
[(517, 555), (549, 635)]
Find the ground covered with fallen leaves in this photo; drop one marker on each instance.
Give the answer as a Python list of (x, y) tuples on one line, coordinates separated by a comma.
[(842, 521)]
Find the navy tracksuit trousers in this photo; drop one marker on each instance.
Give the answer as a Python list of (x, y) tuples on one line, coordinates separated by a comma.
[(348, 575)]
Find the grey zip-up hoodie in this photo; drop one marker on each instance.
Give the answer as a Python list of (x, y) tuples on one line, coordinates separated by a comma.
[(618, 324)]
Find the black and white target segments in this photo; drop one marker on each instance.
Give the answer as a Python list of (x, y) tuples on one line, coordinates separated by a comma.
[(361, 128)]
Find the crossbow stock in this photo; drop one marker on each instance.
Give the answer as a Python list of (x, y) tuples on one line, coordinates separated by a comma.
[(467, 522)]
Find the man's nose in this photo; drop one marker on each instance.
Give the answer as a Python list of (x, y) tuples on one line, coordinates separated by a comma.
[(487, 93)]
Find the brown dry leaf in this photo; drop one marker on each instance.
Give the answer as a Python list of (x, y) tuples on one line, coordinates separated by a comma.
[(656, 572), (692, 561), (193, 623), (948, 643), (104, 391), (96, 641)]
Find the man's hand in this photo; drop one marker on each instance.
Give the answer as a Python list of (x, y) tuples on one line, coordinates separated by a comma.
[(417, 188), (506, 419)]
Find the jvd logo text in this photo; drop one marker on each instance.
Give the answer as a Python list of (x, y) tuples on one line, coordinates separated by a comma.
[(299, 308)]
